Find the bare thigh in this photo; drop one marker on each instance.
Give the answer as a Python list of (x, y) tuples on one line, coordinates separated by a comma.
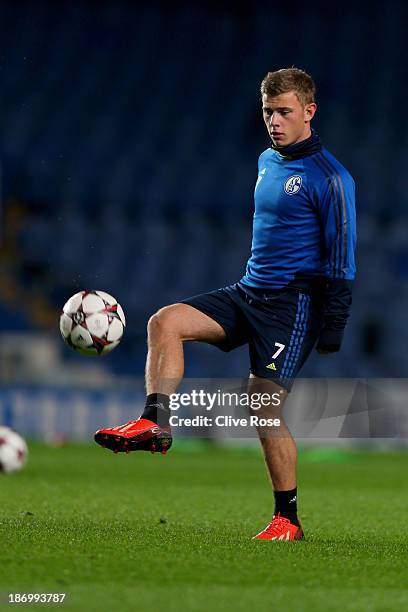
[(256, 383), (272, 408), (187, 323)]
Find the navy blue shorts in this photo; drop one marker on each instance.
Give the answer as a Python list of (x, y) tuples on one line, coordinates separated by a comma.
[(281, 326)]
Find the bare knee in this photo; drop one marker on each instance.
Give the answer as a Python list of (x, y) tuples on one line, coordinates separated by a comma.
[(267, 397), (184, 323), (162, 323)]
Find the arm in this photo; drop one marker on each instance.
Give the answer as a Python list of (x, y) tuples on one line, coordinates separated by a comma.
[(338, 218)]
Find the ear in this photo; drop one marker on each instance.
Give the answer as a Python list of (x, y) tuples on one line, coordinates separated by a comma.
[(309, 111)]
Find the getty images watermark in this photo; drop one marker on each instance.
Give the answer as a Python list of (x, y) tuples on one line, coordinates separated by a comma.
[(217, 400)]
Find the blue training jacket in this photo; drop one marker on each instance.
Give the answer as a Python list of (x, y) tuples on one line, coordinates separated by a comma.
[(305, 226)]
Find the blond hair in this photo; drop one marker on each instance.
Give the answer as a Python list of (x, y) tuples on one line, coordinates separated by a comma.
[(289, 79)]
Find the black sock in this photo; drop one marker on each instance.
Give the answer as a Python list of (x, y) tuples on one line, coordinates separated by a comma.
[(157, 409), (286, 505)]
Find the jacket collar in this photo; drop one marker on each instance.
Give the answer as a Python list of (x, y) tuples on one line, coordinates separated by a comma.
[(300, 149)]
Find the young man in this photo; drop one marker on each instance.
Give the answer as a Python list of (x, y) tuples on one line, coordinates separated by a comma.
[(296, 292)]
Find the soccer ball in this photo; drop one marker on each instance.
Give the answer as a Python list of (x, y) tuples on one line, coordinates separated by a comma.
[(92, 322), (13, 451)]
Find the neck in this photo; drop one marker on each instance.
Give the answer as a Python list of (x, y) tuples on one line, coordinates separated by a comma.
[(307, 146), (307, 134)]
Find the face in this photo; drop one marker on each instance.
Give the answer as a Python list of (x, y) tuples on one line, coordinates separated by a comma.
[(286, 119)]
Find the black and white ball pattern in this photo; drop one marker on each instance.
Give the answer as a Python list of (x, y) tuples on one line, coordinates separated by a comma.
[(13, 451), (92, 322)]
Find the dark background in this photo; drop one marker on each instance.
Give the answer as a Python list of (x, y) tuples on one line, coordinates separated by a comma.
[(129, 147)]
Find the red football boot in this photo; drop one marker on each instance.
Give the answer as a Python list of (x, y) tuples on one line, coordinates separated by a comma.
[(282, 529), (140, 434)]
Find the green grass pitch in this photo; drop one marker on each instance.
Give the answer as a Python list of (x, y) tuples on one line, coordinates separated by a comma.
[(144, 532)]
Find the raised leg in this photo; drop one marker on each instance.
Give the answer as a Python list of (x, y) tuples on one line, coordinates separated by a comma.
[(167, 330)]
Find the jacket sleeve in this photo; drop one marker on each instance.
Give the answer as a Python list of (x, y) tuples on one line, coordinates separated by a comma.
[(336, 205)]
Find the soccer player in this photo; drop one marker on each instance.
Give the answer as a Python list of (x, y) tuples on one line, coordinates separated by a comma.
[(295, 294)]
